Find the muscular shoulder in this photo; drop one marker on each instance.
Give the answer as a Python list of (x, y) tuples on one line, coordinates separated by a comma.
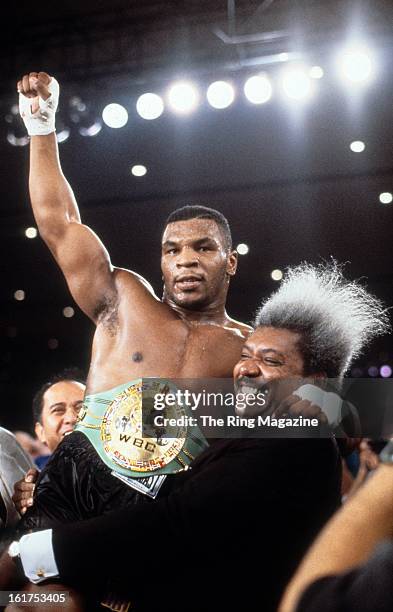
[(241, 329), (127, 286), (126, 279)]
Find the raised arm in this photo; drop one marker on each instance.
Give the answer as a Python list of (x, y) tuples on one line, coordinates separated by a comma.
[(80, 254)]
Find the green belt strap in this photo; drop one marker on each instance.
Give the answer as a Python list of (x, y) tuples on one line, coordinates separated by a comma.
[(112, 420)]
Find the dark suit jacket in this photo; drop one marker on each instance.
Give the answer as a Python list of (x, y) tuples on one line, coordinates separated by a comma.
[(227, 534)]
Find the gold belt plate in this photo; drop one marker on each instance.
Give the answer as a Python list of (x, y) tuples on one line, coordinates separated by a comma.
[(121, 431)]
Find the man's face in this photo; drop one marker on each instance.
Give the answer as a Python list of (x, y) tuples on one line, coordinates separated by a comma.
[(195, 263), (270, 354), (61, 404)]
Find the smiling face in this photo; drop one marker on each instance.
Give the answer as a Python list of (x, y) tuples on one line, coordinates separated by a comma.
[(195, 263), (61, 405), (268, 355)]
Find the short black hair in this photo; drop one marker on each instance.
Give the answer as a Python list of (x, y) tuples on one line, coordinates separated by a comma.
[(68, 374), (185, 213)]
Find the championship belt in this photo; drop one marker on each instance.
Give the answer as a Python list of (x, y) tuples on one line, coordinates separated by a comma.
[(112, 421)]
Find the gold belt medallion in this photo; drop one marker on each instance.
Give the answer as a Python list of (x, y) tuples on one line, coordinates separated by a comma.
[(121, 430)]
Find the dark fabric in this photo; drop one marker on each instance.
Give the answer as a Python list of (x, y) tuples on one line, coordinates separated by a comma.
[(369, 588), (3, 512), (76, 485), (41, 461), (227, 534)]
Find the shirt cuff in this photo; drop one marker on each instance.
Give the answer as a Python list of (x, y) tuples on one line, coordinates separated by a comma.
[(36, 553)]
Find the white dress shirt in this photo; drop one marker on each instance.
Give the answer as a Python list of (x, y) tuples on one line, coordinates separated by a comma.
[(36, 553)]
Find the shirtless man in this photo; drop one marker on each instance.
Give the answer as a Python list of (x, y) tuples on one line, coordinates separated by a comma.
[(186, 334)]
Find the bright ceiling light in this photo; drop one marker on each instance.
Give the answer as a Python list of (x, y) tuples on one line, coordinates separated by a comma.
[(220, 94), (386, 197), (355, 64), (296, 84), (68, 312), (63, 135), (138, 170), (276, 275), (149, 106), (258, 89), (316, 72), (19, 295), (31, 232), (357, 146), (17, 141), (91, 130), (115, 116), (183, 97), (385, 371), (242, 248)]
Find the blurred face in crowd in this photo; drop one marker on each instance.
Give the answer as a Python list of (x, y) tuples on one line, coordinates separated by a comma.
[(61, 405), (32, 446)]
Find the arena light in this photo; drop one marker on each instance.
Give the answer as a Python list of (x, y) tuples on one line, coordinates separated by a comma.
[(31, 232), (296, 84), (149, 106), (138, 170), (355, 64), (63, 134), (373, 371), (316, 72), (276, 275), (220, 94), (90, 130), (82, 116), (385, 371), (183, 97), (242, 248), (357, 146), (115, 115), (68, 312), (258, 89), (19, 295), (17, 141), (76, 105), (386, 197)]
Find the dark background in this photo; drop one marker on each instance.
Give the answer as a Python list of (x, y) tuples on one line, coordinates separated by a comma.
[(282, 173)]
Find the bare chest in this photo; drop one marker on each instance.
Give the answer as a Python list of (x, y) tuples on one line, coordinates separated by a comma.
[(171, 349)]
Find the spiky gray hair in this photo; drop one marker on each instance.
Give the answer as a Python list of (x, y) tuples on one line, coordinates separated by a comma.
[(335, 317)]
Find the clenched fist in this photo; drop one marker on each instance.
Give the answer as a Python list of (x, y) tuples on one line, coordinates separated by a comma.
[(38, 99), (33, 85)]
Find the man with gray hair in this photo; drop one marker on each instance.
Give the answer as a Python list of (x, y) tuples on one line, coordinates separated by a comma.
[(335, 317), (268, 496)]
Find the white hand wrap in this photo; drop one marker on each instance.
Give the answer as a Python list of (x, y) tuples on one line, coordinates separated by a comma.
[(329, 403), (42, 122)]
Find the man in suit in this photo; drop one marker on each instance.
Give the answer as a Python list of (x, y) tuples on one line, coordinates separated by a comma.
[(230, 531)]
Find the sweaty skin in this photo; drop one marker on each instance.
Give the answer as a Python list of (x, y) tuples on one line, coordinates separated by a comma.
[(187, 334)]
